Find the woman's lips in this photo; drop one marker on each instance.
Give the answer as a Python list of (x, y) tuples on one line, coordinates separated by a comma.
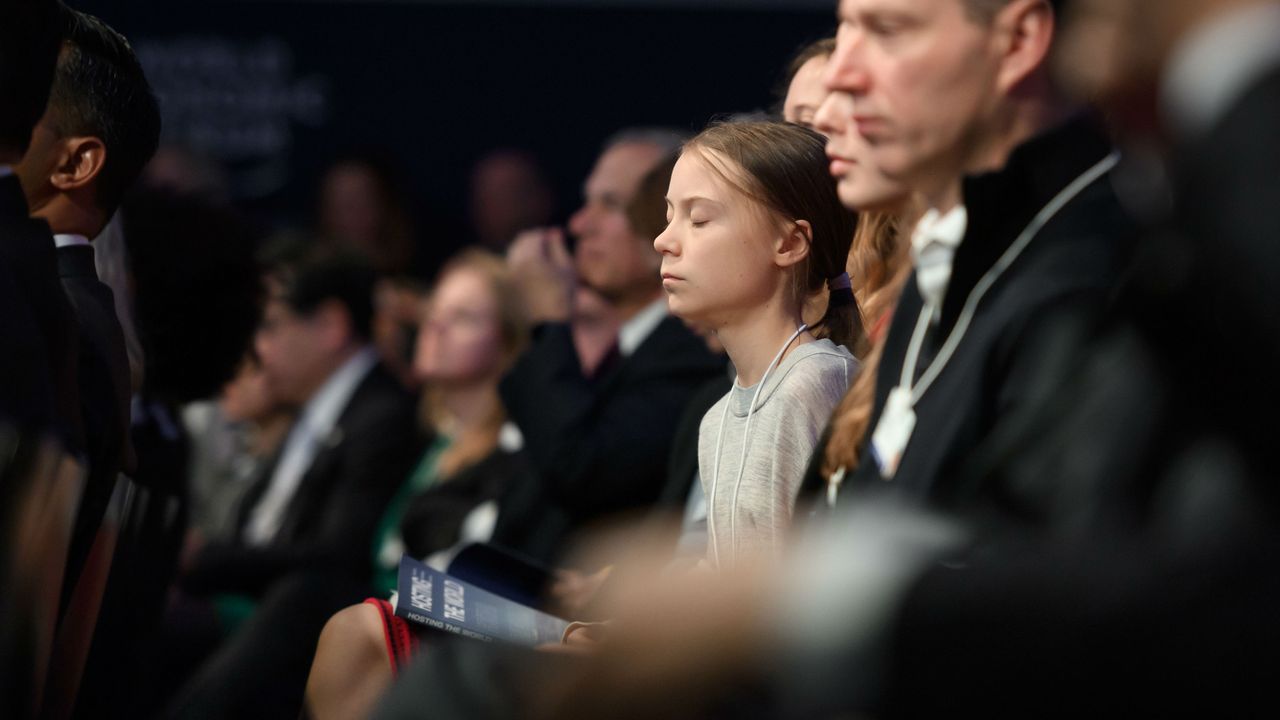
[(841, 166)]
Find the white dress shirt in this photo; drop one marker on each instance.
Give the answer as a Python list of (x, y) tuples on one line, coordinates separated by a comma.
[(69, 240), (315, 426), (635, 331), (933, 248)]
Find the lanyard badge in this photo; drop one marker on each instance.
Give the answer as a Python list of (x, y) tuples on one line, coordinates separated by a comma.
[(898, 419)]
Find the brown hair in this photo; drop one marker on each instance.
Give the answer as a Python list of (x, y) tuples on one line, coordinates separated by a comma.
[(817, 49), (471, 447), (783, 167), (983, 11)]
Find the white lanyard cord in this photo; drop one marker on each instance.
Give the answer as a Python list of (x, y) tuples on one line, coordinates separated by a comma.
[(746, 434), (986, 282)]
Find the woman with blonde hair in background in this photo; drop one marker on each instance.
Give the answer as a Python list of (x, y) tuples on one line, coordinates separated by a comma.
[(472, 329)]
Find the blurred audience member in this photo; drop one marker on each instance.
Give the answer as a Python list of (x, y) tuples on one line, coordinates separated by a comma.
[(305, 527), (805, 90), (362, 207), (231, 437), (509, 193), (472, 330), (99, 130)]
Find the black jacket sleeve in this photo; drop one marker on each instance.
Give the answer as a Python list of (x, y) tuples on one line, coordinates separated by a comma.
[(602, 447)]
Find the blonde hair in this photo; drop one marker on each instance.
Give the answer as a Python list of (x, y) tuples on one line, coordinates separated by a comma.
[(513, 329), (880, 264)]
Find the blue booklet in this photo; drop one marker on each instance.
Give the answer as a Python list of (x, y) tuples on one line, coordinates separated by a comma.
[(428, 597)]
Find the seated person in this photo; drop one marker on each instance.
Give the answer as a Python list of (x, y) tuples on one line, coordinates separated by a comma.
[(231, 437), (744, 251), (472, 330), (304, 530)]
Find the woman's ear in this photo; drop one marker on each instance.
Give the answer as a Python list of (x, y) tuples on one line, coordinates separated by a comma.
[(793, 244)]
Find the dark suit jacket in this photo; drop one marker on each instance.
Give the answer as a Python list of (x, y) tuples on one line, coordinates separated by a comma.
[(597, 447), (329, 524), (27, 401), (1156, 592), (26, 247), (104, 394), (1069, 270)]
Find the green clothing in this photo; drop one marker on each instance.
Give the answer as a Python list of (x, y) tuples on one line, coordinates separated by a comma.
[(387, 543)]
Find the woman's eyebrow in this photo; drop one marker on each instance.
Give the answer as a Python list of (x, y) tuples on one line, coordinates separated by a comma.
[(691, 200)]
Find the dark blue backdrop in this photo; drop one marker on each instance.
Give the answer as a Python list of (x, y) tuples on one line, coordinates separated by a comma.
[(276, 89)]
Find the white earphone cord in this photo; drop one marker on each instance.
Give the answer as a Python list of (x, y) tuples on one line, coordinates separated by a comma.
[(746, 436)]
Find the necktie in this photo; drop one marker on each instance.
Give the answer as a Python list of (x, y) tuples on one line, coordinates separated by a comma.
[(933, 246)]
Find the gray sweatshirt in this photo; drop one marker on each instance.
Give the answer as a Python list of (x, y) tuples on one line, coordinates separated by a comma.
[(751, 517)]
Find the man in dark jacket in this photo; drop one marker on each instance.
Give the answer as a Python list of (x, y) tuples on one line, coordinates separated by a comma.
[(99, 130), (304, 548), (37, 331), (1023, 230)]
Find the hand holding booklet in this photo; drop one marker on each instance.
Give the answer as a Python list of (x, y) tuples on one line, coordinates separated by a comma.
[(429, 597)]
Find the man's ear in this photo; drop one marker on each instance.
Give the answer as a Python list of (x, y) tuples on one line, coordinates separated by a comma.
[(793, 244), (333, 321), (1024, 30), (80, 161)]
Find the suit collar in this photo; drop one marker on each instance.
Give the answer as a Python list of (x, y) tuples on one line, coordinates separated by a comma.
[(69, 240), (640, 326), (329, 403), (1002, 203), (670, 347)]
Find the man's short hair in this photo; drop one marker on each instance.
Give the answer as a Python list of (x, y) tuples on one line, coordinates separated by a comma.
[(312, 275), (985, 10), (100, 90), (29, 42)]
